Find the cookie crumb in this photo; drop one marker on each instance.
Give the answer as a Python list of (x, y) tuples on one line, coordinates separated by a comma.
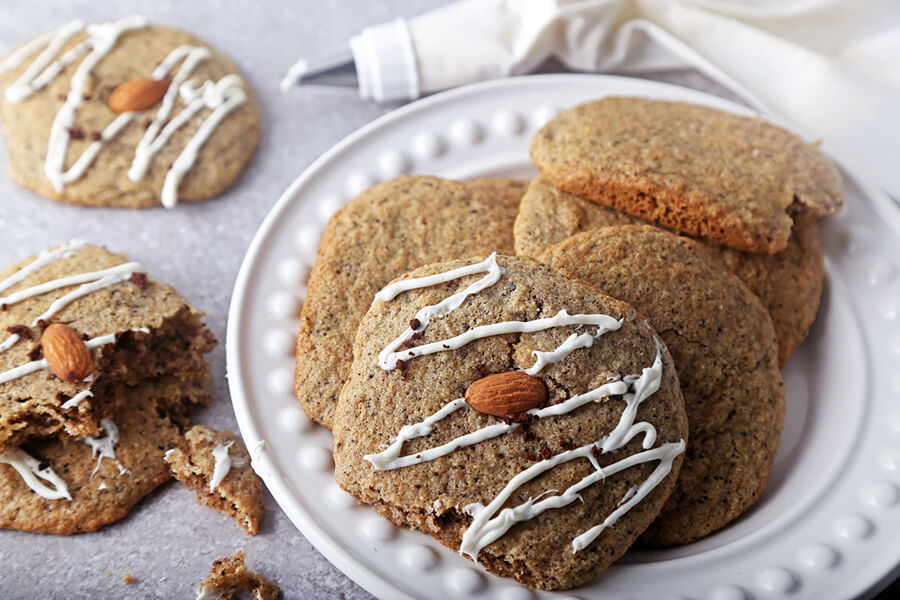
[(230, 574), (76, 133), (128, 579)]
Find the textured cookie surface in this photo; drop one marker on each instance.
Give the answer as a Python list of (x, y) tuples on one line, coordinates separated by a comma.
[(724, 347), (216, 465), (230, 575), (789, 283), (725, 178), (549, 448), (154, 331), (384, 232), (106, 182), (130, 469)]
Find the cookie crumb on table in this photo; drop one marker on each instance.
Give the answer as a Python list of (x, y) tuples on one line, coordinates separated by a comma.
[(229, 575)]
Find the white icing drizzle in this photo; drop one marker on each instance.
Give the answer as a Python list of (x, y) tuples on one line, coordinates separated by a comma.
[(97, 280), (37, 365), (222, 466), (41, 71), (102, 486), (101, 39), (221, 98), (29, 468), (43, 259), (74, 400), (105, 447), (490, 523)]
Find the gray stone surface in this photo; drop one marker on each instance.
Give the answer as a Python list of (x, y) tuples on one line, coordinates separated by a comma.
[(169, 542)]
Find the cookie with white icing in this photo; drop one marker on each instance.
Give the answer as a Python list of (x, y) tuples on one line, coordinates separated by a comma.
[(216, 465), (71, 486), (384, 232), (551, 494), (724, 347), (127, 327), (733, 180), (124, 113), (789, 283)]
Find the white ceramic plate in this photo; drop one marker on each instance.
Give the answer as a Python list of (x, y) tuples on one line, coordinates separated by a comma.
[(827, 523)]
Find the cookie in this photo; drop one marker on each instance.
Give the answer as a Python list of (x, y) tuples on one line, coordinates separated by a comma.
[(724, 347), (517, 415), (133, 328), (387, 230), (229, 575), (216, 465), (789, 283), (732, 180), (125, 114), (82, 484)]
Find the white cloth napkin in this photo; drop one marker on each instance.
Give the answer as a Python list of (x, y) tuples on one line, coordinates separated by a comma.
[(829, 69)]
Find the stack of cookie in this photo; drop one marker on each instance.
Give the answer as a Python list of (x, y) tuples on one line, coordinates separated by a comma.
[(541, 380)]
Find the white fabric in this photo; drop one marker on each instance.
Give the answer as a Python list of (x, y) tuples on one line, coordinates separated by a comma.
[(829, 69)]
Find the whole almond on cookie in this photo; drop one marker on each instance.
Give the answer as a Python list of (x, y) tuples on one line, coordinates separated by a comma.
[(66, 353), (138, 94), (509, 393)]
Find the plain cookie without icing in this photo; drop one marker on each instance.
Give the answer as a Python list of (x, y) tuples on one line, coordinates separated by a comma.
[(387, 230), (606, 343), (789, 283), (729, 179), (723, 345), (134, 54)]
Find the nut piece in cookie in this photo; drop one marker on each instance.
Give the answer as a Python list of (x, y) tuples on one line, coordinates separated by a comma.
[(125, 114), (75, 485), (724, 348), (550, 496), (216, 465), (789, 283), (79, 326), (229, 575), (387, 230), (733, 180)]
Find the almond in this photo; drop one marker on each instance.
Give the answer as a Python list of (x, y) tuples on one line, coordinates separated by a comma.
[(510, 393), (138, 94), (66, 354)]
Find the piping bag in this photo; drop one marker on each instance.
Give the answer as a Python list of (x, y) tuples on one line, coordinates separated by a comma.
[(829, 69)]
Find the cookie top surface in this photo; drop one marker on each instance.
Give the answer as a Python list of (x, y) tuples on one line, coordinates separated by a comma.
[(384, 232), (456, 472), (189, 144), (722, 177), (216, 465), (724, 347), (104, 483), (135, 328), (789, 283)]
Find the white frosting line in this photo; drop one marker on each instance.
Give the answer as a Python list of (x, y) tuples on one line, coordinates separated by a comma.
[(37, 365), (102, 38), (103, 486), (105, 447), (43, 259), (388, 358), (572, 343), (222, 97), (293, 75), (74, 400), (25, 85), (488, 265), (125, 270), (154, 139), (222, 466), (29, 469)]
